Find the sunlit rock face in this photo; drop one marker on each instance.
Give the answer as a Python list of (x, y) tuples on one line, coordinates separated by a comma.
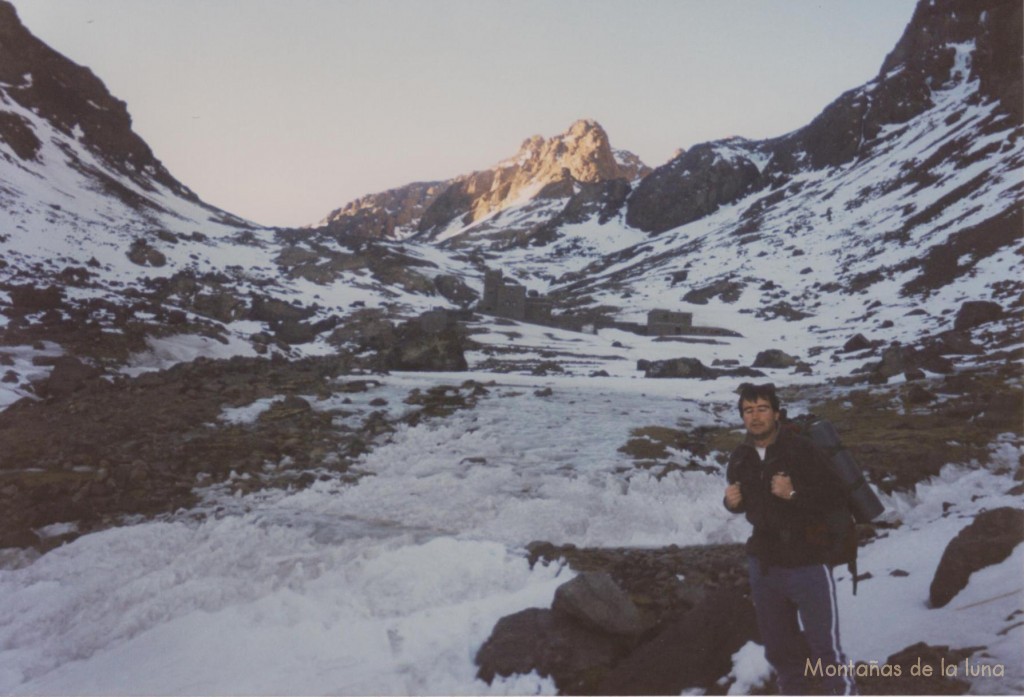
[(544, 168)]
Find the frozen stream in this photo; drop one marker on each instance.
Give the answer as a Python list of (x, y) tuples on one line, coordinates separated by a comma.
[(388, 585), (391, 584)]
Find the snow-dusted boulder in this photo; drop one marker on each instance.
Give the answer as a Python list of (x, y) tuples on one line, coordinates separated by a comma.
[(988, 540)]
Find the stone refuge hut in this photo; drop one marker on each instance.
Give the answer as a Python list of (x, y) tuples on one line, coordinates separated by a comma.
[(668, 323), (507, 298)]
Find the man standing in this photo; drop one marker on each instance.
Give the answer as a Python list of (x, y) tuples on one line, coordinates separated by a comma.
[(785, 487)]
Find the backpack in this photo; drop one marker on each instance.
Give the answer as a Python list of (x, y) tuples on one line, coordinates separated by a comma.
[(861, 503)]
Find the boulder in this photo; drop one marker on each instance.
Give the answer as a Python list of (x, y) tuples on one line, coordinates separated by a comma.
[(452, 288), (552, 644), (69, 375), (266, 309), (974, 313), (692, 652), (909, 682), (858, 342), (598, 602), (916, 394), (679, 368), (956, 342), (35, 299), (728, 291), (988, 540), (144, 254), (774, 358)]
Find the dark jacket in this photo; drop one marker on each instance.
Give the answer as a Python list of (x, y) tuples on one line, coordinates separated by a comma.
[(787, 532)]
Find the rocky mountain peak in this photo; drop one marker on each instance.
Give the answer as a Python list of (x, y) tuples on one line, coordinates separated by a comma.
[(543, 168), (584, 151)]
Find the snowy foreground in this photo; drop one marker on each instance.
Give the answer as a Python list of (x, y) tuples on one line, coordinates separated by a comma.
[(390, 585)]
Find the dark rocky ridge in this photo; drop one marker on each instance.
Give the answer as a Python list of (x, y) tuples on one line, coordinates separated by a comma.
[(383, 215), (691, 186), (70, 95)]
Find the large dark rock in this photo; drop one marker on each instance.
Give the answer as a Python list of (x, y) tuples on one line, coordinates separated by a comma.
[(605, 199), (69, 375), (911, 682), (988, 540), (858, 342), (974, 313), (552, 644), (594, 599), (692, 185), (679, 368), (454, 289), (729, 291), (144, 254), (694, 651), (693, 368), (36, 299), (267, 309), (294, 332), (774, 358)]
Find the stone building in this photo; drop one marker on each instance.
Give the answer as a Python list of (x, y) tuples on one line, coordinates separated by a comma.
[(507, 298), (662, 322)]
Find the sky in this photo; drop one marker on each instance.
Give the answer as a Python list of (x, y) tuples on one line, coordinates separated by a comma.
[(282, 111)]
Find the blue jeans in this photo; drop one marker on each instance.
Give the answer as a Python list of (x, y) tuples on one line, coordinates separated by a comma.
[(799, 622)]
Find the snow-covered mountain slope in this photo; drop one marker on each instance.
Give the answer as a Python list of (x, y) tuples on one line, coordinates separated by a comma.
[(901, 202), (884, 228), (103, 251), (888, 245)]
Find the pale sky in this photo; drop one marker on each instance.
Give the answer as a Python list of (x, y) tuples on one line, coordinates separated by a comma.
[(282, 110)]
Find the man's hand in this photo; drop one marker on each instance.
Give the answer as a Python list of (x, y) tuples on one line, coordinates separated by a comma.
[(782, 486), (733, 497)]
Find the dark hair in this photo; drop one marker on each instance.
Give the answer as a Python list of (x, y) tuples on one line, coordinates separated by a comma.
[(749, 392)]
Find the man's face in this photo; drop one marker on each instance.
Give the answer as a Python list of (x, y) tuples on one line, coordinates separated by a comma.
[(759, 418)]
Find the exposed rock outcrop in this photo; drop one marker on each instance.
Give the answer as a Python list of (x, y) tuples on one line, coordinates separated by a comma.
[(694, 184), (988, 540), (974, 313), (693, 368), (394, 213), (693, 609)]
